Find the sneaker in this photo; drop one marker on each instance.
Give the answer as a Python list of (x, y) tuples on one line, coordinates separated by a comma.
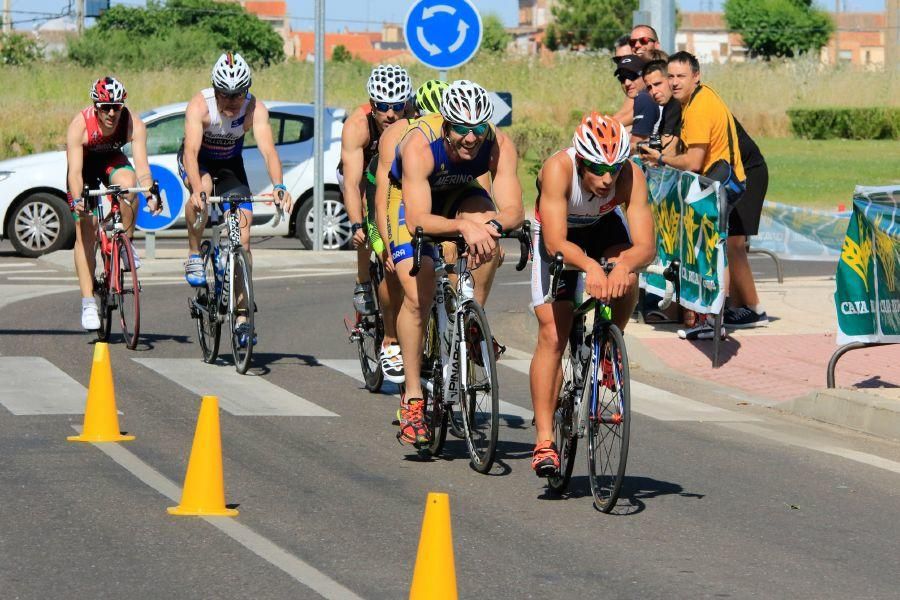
[(243, 334), (90, 318), (413, 429), (363, 300), (545, 459), (194, 272), (703, 331), (392, 363), (743, 317)]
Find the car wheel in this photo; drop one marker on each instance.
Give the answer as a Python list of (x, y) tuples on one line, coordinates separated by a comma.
[(39, 224), (335, 228)]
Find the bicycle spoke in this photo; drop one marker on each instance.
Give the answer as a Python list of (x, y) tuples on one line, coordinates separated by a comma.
[(243, 307), (479, 402)]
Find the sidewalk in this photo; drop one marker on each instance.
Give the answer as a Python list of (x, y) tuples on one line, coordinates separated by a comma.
[(783, 365)]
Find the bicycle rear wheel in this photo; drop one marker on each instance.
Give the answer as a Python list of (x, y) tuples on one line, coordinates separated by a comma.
[(128, 293), (368, 346), (101, 291), (479, 394), (609, 422), (436, 414), (242, 288), (206, 311), (564, 415)]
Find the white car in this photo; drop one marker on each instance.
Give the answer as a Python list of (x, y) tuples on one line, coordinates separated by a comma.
[(37, 220)]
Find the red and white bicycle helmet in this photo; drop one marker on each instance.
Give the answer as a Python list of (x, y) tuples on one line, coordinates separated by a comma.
[(231, 74), (108, 89), (601, 139)]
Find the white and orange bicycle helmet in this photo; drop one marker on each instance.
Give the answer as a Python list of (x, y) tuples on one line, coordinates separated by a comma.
[(601, 139)]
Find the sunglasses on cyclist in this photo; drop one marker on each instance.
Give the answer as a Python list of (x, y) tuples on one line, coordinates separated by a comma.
[(598, 169), (232, 96), (386, 106), (643, 41), (463, 130), (108, 107)]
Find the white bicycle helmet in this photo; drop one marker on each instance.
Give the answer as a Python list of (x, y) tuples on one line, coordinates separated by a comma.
[(231, 73), (601, 139), (389, 83), (466, 103), (108, 89)]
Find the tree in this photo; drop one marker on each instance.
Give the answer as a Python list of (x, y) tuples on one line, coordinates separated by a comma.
[(19, 49), (178, 33), (779, 27), (594, 24), (340, 54), (551, 38), (495, 38)]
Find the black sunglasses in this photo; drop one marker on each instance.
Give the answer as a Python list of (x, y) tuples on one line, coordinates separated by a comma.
[(623, 77), (231, 96), (108, 107)]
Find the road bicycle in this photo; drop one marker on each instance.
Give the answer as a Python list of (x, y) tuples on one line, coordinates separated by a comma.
[(459, 366), (595, 396), (115, 278), (367, 332), (228, 292)]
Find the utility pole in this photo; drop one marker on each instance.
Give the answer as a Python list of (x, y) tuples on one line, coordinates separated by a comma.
[(79, 15), (659, 14), (319, 128), (892, 37), (7, 16)]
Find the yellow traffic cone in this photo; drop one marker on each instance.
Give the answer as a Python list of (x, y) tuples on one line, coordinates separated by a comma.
[(435, 575), (101, 419), (204, 489)]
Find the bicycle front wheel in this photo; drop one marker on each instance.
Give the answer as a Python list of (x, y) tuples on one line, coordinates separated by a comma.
[(101, 291), (479, 393), (128, 293), (242, 305), (609, 418), (206, 311)]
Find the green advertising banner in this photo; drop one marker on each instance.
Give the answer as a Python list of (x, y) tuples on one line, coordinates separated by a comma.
[(686, 214), (867, 298)]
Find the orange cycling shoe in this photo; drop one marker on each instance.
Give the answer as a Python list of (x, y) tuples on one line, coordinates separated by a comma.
[(413, 429), (545, 459)]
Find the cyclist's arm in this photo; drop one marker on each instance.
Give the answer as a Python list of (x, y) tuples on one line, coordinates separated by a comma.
[(418, 164), (353, 139), (75, 156), (262, 132), (506, 188), (387, 146), (193, 138), (640, 221), (139, 152), (555, 179)]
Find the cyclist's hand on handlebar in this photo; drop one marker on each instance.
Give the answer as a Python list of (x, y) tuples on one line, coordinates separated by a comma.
[(154, 204), (284, 200), (78, 207), (359, 238), (480, 238), (596, 284), (198, 203), (620, 281)]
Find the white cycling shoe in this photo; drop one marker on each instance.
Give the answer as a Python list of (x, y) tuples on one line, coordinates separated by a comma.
[(90, 317)]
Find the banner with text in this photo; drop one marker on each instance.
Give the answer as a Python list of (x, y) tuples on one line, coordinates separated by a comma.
[(686, 210), (867, 298), (799, 233)]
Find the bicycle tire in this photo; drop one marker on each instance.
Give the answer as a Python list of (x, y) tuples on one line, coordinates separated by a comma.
[(128, 293), (454, 417), (609, 426), (564, 415), (242, 282), (101, 291), (435, 409), (480, 413), (209, 327), (368, 346)]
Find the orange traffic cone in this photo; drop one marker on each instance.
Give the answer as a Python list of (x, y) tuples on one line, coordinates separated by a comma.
[(204, 489), (434, 577), (101, 419)]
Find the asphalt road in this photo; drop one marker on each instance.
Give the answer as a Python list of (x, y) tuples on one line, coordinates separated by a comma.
[(722, 500)]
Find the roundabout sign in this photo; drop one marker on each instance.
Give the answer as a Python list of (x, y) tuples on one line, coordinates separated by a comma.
[(443, 34)]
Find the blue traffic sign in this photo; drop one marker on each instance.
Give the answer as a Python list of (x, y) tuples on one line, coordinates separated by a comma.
[(443, 34), (172, 192)]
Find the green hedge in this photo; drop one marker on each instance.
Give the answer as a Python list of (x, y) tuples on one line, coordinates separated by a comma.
[(876, 123)]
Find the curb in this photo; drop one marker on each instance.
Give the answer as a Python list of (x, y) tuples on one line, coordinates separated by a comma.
[(851, 408)]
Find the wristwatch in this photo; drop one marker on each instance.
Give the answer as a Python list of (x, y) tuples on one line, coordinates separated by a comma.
[(355, 227), (496, 225)]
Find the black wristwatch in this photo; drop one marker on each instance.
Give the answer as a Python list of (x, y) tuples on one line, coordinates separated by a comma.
[(355, 227), (496, 225)]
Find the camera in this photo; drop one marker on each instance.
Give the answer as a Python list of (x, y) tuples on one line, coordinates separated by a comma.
[(655, 142)]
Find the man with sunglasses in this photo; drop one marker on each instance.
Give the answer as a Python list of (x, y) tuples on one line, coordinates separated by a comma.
[(390, 100), (582, 192), (94, 155), (434, 185), (643, 40), (216, 120)]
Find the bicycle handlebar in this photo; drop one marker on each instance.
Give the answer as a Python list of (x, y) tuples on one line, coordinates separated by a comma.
[(419, 238), (115, 190), (235, 200)]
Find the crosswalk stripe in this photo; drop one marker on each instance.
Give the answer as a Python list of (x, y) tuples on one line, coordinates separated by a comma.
[(32, 385), (350, 368), (662, 405), (240, 395)]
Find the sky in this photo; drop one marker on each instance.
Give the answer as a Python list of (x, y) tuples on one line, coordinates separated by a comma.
[(359, 15)]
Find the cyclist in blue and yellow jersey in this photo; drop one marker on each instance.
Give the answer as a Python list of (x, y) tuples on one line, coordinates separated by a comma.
[(94, 156), (216, 120), (390, 100), (433, 185), (592, 204)]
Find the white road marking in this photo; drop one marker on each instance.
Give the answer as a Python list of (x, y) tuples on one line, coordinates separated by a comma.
[(20, 264), (25, 272), (32, 385), (266, 549), (350, 368), (10, 294), (240, 395)]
